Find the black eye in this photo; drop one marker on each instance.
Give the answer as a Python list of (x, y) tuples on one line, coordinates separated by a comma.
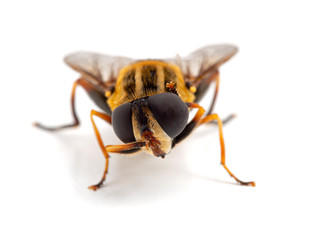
[(170, 112), (122, 123)]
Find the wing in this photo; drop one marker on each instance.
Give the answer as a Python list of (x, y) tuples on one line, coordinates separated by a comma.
[(99, 70), (204, 61)]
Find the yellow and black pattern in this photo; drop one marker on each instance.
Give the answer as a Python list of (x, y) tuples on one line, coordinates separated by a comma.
[(147, 78)]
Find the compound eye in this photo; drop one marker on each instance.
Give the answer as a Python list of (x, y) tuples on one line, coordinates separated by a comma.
[(170, 112), (122, 123)]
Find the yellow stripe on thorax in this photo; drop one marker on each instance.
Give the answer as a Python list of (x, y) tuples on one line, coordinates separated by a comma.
[(120, 96)]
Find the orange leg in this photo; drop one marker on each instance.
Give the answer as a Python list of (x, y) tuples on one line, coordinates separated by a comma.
[(76, 121), (214, 117), (75, 117), (125, 148), (216, 77), (226, 119), (207, 78)]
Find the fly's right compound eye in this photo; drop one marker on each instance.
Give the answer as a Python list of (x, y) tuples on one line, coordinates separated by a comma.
[(122, 123)]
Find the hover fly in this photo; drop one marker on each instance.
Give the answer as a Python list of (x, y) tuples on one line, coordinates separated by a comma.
[(147, 102)]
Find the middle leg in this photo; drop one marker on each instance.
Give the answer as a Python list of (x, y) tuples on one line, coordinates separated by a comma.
[(215, 117), (197, 120)]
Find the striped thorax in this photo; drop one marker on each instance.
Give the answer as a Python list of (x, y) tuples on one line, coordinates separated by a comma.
[(147, 78)]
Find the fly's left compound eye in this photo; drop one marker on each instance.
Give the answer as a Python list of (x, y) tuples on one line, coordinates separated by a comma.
[(170, 112), (122, 123)]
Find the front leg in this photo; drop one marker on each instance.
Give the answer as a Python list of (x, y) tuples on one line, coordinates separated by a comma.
[(124, 148)]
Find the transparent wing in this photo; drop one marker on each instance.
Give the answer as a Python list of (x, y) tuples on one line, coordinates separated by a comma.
[(100, 70), (204, 60)]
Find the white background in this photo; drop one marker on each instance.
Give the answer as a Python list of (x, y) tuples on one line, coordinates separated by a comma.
[(272, 84)]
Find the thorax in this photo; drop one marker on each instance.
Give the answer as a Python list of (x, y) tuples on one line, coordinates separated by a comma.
[(146, 78)]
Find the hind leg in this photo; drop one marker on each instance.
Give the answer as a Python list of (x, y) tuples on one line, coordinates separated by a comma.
[(76, 121)]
